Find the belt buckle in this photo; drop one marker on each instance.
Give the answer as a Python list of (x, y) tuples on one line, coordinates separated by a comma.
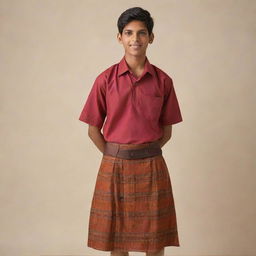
[(137, 153), (131, 153)]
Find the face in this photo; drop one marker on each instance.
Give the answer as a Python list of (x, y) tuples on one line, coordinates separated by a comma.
[(135, 38)]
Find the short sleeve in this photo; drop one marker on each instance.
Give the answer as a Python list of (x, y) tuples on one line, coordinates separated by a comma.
[(94, 110), (170, 113)]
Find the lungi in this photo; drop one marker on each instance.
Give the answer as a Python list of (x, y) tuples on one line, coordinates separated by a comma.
[(132, 208)]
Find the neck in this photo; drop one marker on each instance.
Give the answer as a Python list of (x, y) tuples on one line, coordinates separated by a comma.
[(135, 62)]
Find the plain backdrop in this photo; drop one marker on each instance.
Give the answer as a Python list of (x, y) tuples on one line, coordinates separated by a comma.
[(50, 53)]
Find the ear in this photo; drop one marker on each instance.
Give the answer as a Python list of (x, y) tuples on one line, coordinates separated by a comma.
[(151, 38), (119, 37)]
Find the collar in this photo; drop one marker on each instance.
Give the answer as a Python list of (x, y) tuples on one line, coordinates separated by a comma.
[(123, 67)]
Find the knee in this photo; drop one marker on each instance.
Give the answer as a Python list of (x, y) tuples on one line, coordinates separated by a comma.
[(157, 253), (119, 253)]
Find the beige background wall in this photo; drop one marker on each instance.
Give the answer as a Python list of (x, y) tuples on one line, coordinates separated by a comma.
[(51, 52)]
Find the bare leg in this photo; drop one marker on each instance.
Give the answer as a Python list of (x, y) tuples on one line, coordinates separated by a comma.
[(158, 253), (119, 253)]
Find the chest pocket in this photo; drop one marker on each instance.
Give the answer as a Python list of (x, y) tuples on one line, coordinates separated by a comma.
[(151, 106)]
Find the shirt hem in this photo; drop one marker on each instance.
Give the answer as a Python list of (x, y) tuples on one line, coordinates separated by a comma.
[(90, 122)]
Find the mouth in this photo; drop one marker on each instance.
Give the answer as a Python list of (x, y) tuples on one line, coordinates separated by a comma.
[(135, 46)]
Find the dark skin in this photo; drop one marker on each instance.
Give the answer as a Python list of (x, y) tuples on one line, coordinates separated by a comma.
[(135, 39)]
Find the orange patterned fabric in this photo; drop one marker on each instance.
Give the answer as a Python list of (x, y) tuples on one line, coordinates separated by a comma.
[(132, 208)]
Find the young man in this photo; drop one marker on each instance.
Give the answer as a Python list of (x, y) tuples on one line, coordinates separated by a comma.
[(133, 206)]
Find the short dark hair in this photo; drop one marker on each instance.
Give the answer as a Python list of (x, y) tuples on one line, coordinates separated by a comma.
[(135, 13)]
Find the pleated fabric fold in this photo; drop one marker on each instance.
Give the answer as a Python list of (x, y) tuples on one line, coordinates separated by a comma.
[(132, 208)]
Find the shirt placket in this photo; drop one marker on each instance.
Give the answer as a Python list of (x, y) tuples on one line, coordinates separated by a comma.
[(133, 83)]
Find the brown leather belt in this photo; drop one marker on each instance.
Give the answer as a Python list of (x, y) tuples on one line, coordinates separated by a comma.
[(114, 149)]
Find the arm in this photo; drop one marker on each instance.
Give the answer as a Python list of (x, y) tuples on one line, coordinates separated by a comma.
[(166, 135), (97, 137)]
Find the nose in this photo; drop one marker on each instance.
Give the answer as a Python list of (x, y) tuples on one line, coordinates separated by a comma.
[(135, 37)]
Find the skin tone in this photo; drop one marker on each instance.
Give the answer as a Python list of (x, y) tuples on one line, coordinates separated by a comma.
[(135, 40)]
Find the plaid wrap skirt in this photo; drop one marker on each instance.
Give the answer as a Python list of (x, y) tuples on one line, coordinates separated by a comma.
[(132, 208)]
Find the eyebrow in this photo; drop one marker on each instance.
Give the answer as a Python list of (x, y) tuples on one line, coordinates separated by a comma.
[(138, 30)]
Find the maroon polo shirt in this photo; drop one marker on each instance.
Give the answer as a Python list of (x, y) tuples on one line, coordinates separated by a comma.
[(134, 109)]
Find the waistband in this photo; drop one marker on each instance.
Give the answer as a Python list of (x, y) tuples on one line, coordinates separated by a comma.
[(129, 145), (132, 151)]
